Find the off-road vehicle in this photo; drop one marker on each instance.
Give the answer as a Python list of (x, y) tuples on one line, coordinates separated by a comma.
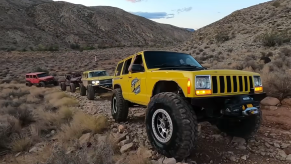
[(178, 93), (72, 79), (40, 79), (95, 81)]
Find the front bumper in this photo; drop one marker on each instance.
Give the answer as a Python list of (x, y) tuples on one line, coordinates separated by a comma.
[(211, 101)]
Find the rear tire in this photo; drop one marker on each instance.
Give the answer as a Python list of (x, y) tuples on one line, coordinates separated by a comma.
[(90, 92), (72, 87), (246, 128), (63, 86), (42, 84), (119, 106), (171, 125), (82, 90), (56, 83)]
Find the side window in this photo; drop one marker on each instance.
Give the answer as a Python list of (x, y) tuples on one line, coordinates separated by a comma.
[(126, 66), (118, 69), (34, 76), (30, 76), (138, 60), (27, 76)]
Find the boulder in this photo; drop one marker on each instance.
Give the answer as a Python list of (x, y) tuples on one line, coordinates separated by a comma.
[(270, 101)]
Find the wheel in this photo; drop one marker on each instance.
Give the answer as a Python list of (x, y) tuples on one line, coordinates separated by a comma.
[(245, 128), (171, 125), (56, 83), (63, 86), (72, 87), (82, 90), (90, 92), (119, 106), (41, 84)]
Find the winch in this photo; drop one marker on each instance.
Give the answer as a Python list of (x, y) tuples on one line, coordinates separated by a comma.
[(243, 105)]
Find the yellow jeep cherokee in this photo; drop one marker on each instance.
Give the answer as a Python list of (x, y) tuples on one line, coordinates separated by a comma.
[(178, 93), (95, 81)]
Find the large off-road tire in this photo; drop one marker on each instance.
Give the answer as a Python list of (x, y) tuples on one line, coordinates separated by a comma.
[(42, 84), (82, 90), (63, 86), (119, 106), (90, 92), (168, 111), (245, 128), (72, 87)]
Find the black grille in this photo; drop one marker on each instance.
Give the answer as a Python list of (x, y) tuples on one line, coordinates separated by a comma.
[(105, 81), (231, 84)]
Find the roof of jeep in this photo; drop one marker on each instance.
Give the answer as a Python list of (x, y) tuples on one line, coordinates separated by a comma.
[(93, 71), (35, 73)]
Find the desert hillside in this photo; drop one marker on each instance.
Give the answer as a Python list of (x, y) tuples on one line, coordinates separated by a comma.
[(244, 34), (45, 24)]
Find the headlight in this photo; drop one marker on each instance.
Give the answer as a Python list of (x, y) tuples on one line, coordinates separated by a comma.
[(95, 82), (257, 81), (202, 82)]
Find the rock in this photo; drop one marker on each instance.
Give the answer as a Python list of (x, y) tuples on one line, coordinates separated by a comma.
[(119, 137), (154, 162), (123, 142), (114, 130), (276, 145), (242, 147), (167, 161), (288, 158), (284, 145), (84, 139), (121, 128), (244, 157), (140, 114), (238, 140), (217, 137), (286, 102), (282, 154), (270, 101), (126, 147), (70, 150)]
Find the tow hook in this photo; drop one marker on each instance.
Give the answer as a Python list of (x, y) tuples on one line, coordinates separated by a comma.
[(250, 111)]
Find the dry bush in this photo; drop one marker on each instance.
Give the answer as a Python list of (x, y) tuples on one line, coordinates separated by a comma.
[(277, 83), (21, 144), (221, 37), (140, 157), (274, 38), (83, 123), (100, 153)]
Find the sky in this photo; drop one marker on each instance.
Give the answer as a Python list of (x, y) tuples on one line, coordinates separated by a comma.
[(181, 13)]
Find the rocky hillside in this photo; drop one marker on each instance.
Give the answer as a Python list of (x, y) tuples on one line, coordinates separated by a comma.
[(31, 24), (244, 35)]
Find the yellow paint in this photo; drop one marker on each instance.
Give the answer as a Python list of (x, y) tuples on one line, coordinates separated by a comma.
[(150, 77)]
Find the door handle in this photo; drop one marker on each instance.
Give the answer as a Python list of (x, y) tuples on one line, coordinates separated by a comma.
[(121, 77), (129, 77)]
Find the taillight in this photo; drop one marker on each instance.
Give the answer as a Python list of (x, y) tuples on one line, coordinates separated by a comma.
[(189, 86)]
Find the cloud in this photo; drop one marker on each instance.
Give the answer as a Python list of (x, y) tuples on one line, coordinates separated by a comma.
[(186, 9), (154, 15), (134, 1)]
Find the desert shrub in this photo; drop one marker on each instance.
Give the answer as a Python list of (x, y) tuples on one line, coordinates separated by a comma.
[(53, 48), (75, 46), (285, 51), (88, 48), (277, 84), (274, 38), (221, 37), (276, 4)]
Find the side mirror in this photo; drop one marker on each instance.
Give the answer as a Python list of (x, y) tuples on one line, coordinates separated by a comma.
[(137, 68)]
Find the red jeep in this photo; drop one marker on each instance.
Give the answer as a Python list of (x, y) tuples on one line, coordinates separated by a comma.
[(40, 79)]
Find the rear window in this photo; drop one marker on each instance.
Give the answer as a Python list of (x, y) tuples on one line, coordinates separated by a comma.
[(118, 69)]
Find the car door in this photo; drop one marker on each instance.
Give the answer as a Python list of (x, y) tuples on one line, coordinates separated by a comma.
[(34, 79), (137, 83), (124, 79)]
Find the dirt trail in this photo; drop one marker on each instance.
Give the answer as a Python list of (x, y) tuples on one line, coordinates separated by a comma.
[(272, 144)]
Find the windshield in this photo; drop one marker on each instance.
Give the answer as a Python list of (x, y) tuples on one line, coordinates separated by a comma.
[(98, 73), (159, 59), (42, 75)]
